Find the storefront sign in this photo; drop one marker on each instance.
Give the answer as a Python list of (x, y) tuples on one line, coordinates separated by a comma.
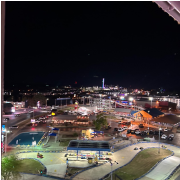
[(3, 128)]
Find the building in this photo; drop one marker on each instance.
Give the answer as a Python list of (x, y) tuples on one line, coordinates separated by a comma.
[(89, 149)]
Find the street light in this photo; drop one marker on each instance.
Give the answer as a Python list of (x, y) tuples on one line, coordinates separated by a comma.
[(6, 140), (151, 98), (111, 167), (46, 101), (159, 140), (148, 123)]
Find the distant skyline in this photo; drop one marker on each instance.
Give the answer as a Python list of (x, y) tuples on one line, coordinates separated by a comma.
[(132, 44)]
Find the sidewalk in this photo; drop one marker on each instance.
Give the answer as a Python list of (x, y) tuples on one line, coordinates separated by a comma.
[(163, 169)]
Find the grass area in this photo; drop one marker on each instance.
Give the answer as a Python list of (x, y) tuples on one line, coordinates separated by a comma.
[(74, 170), (65, 142), (30, 166), (141, 164)]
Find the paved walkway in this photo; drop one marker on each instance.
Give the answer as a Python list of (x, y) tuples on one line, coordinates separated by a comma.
[(163, 169), (122, 157)]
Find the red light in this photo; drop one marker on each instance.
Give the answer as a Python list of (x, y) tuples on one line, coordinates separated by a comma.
[(32, 129)]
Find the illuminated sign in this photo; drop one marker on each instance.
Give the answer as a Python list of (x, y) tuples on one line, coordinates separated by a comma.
[(53, 114), (3, 128)]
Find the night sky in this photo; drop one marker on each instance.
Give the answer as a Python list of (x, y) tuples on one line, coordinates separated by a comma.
[(132, 44)]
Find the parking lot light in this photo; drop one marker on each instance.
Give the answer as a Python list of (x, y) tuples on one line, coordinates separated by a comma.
[(159, 140)]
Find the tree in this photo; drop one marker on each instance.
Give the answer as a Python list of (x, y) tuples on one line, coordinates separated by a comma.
[(100, 121), (32, 101), (9, 167)]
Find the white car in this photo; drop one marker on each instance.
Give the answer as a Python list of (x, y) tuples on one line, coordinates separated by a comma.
[(119, 122), (137, 132), (37, 121), (171, 135), (163, 136), (165, 129), (120, 129), (49, 115)]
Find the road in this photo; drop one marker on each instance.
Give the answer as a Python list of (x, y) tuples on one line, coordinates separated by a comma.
[(15, 120)]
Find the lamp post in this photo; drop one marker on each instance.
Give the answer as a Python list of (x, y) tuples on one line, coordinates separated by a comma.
[(46, 101), (151, 98), (148, 123), (6, 141), (111, 167), (159, 140)]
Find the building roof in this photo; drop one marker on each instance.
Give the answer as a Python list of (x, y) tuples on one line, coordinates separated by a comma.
[(171, 119), (132, 112), (88, 145), (154, 112), (143, 113)]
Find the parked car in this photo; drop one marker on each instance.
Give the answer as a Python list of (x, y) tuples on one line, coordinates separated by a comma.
[(128, 123), (163, 136), (132, 131), (141, 126), (165, 129), (49, 115), (125, 127), (120, 129), (119, 122), (115, 129), (137, 132), (143, 133), (37, 121), (13, 127), (171, 135), (17, 115), (128, 131), (170, 138)]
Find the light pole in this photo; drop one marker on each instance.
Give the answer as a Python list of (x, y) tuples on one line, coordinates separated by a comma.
[(111, 167), (159, 140), (6, 141), (46, 101), (151, 98), (148, 123)]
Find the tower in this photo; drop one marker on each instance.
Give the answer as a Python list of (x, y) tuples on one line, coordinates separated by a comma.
[(103, 83)]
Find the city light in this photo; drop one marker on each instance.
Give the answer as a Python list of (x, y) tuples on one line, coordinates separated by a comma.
[(131, 99)]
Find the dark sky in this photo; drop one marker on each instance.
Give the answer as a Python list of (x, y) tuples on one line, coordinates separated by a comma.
[(132, 44)]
